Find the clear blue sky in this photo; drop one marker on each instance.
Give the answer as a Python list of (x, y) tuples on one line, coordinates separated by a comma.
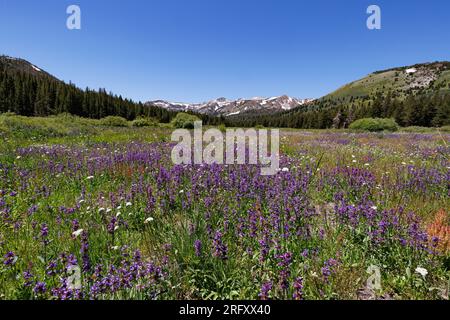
[(196, 50)]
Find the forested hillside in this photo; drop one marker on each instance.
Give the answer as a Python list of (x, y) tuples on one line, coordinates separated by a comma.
[(27, 90)]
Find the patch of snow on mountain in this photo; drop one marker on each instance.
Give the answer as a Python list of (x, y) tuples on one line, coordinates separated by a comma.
[(285, 106)]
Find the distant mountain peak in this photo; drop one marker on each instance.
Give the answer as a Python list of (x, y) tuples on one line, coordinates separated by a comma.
[(225, 107)]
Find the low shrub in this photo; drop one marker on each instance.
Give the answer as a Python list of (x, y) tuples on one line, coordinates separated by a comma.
[(374, 125), (184, 120), (144, 122), (114, 121), (32, 127)]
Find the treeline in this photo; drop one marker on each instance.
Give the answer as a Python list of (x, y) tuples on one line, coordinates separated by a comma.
[(415, 110), (30, 95)]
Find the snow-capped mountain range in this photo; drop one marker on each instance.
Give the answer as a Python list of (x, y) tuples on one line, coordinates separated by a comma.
[(225, 107)]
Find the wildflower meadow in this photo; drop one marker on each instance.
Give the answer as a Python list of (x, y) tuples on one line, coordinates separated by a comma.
[(103, 213)]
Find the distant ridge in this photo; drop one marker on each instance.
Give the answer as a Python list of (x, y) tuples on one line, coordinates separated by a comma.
[(225, 107)]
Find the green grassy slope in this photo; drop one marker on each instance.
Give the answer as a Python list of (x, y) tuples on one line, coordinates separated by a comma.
[(428, 78)]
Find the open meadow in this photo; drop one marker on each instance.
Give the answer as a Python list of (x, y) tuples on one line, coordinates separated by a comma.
[(96, 212)]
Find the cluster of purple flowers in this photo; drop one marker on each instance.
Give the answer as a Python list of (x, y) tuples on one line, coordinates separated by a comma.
[(298, 289), (284, 262), (9, 258), (265, 290), (220, 248), (112, 225), (85, 251), (198, 248), (44, 233), (329, 267)]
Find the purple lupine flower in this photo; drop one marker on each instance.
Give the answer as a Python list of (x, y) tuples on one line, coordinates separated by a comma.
[(9, 258), (328, 269), (27, 276), (112, 225), (305, 253), (265, 290), (284, 262), (167, 247), (220, 249), (137, 256), (84, 251), (75, 225), (32, 209), (298, 289), (40, 288), (44, 233), (51, 268), (265, 248), (71, 260), (17, 225), (44, 230), (198, 248)]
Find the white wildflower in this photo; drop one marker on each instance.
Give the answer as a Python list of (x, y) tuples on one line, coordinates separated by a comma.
[(148, 220), (90, 178), (77, 233), (422, 271), (128, 204)]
